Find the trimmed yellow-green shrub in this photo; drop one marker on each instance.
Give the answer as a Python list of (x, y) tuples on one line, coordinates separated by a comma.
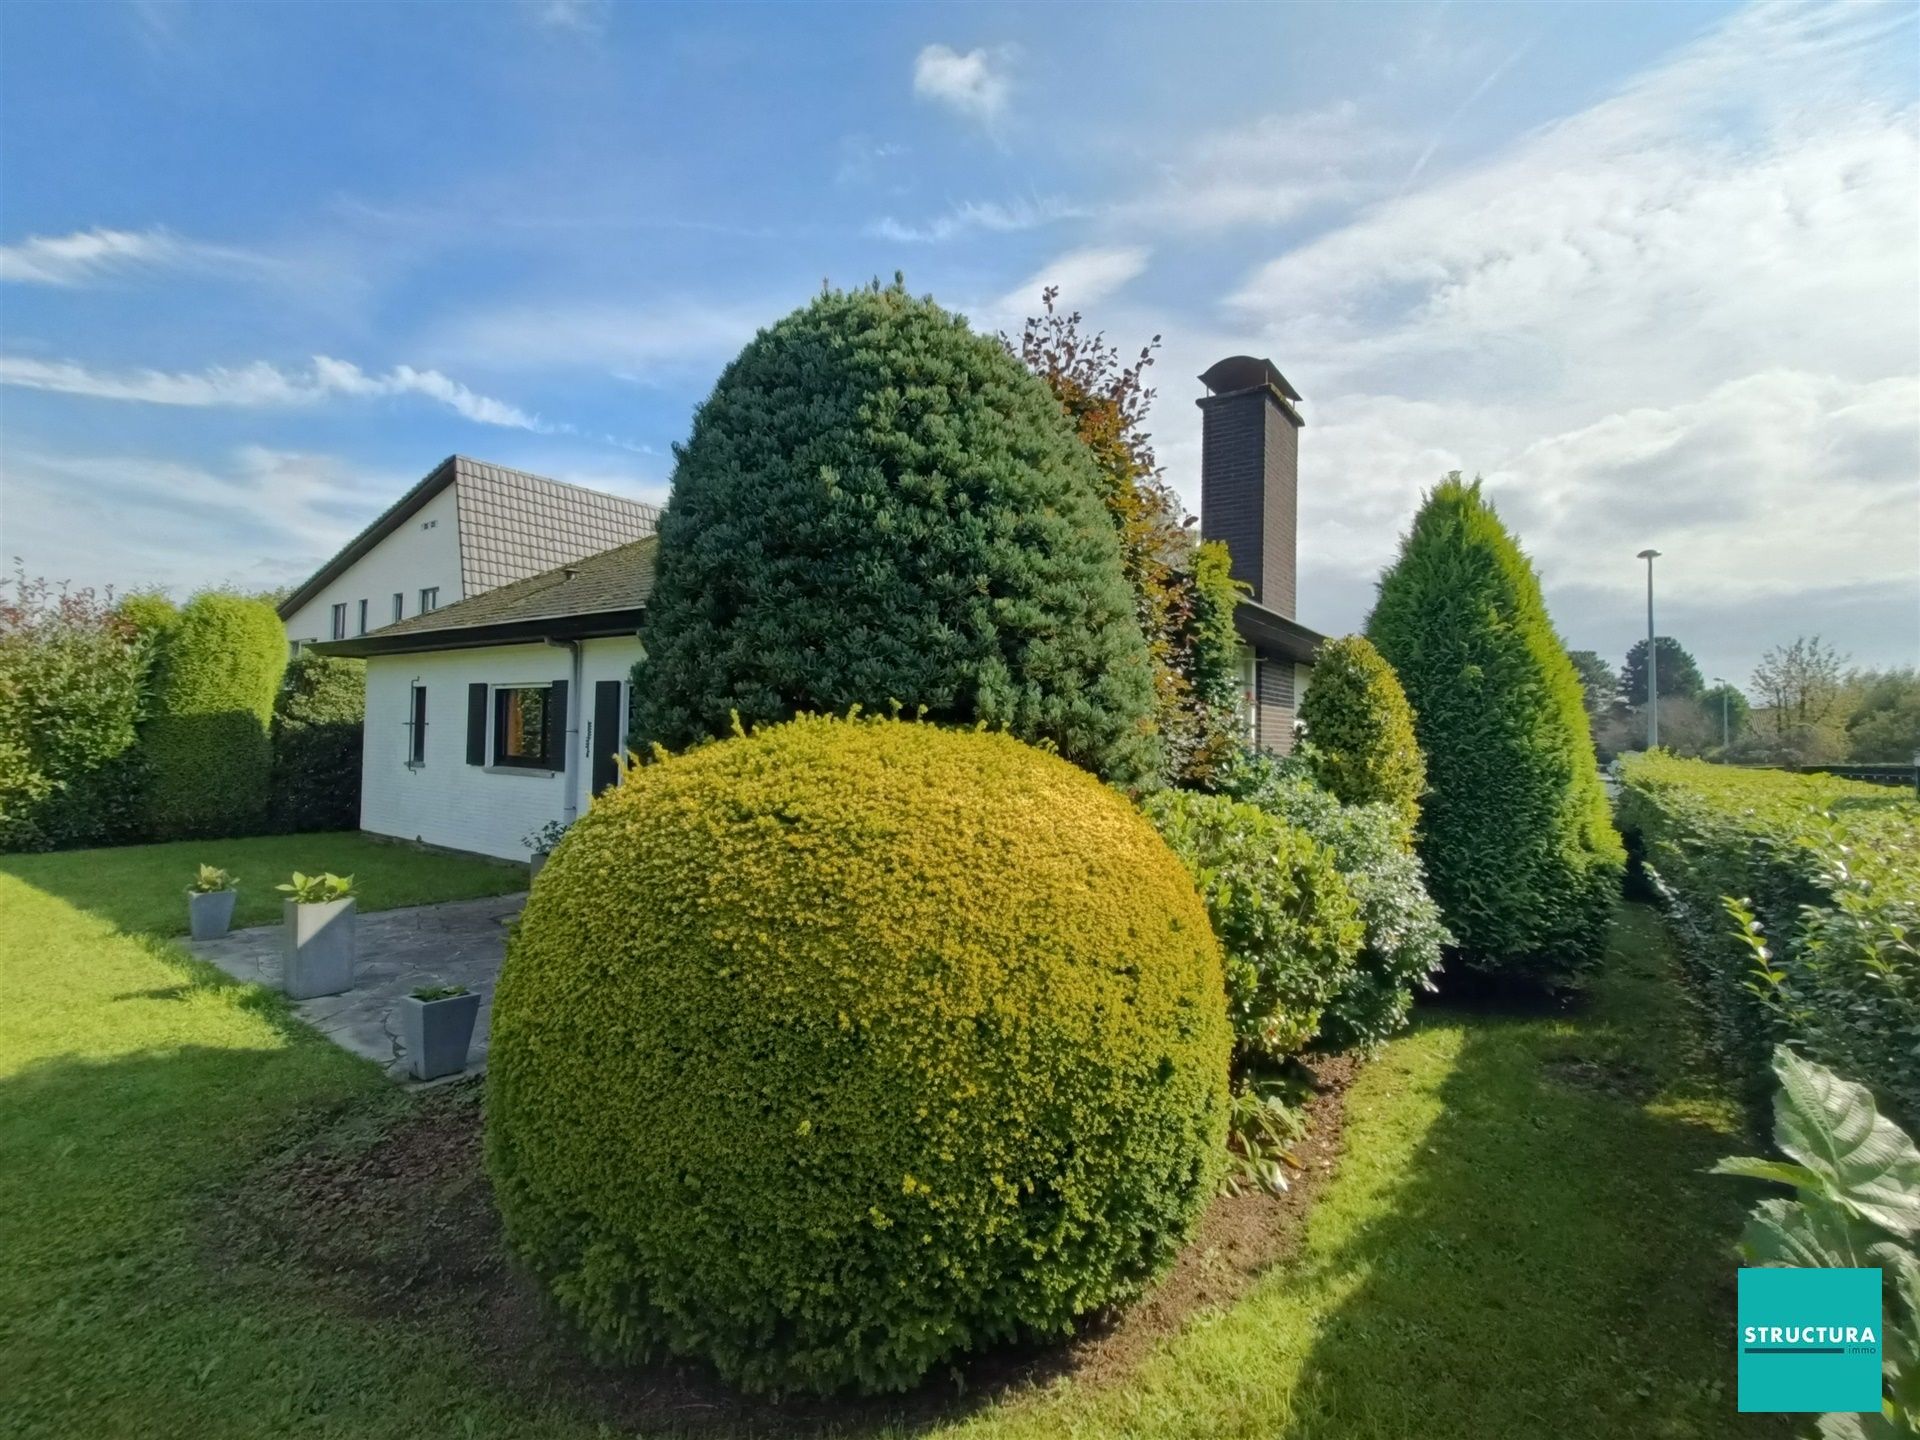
[(206, 740), (1360, 734), (834, 1050)]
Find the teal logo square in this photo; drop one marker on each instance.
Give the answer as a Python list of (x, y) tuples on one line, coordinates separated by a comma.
[(1809, 1340)]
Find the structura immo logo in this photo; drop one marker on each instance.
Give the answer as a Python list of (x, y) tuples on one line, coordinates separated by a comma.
[(1809, 1339)]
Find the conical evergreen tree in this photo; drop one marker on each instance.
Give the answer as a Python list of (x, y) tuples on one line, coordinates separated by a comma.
[(1520, 850), (877, 506)]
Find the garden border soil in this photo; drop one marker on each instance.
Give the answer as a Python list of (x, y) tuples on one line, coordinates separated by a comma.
[(388, 1213)]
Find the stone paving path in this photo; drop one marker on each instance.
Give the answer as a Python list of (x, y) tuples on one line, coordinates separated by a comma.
[(459, 943)]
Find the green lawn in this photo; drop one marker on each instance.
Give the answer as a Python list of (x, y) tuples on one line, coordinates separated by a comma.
[(142, 887), (1519, 1242)]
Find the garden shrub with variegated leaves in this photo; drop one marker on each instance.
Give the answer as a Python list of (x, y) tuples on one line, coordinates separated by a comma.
[(832, 1051)]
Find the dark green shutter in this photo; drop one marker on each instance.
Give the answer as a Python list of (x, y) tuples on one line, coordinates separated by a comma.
[(607, 739), (557, 727), (476, 724)]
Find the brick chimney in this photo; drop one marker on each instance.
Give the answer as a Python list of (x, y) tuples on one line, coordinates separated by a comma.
[(1250, 474)]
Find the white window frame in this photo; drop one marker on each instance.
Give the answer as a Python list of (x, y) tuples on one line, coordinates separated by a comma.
[(338, 627)]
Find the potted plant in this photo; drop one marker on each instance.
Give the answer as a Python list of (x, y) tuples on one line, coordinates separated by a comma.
[(541, 842), (318, 916), (210, 900), (436, 1025)]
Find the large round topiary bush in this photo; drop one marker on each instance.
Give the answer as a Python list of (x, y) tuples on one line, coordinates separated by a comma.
[(1519, 846), (877, 506), (834, 1050)]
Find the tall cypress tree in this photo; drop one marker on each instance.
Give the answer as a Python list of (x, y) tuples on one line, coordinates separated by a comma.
[(1520, 850), (878, 506)]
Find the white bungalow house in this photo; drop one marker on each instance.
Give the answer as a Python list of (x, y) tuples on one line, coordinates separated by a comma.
[(490, 715)]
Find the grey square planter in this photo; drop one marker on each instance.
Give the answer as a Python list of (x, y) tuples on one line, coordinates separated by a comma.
[(438, 1033), (210, 913), (319, 951), (536, 862)]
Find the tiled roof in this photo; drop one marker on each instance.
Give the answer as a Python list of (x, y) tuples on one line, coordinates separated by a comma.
[(513, 525), (613, 581)]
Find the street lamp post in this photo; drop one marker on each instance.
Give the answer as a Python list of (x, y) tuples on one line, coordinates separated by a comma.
[(1724, 697), (1653, 659)]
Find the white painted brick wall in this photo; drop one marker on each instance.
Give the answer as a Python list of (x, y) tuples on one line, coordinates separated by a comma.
[(447, 801)]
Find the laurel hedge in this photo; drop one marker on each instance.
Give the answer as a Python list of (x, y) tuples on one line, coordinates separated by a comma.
[(1519, 846), (877, 506), (1829, 872), (1284, 917), (207, 739), (317, 747), (1359, 730), (833, 1050)]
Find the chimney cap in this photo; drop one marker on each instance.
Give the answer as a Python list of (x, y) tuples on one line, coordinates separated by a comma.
[(1246, 372)]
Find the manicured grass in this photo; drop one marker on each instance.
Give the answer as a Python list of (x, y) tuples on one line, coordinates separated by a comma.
[(142, 887), (1519, 1242)]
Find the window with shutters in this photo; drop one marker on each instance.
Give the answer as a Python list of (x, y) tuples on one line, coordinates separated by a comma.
[(523, 727), (417, 727)]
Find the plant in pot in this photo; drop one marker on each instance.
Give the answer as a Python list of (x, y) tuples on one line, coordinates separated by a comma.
[(319, 952), (541, 843), (436, 1025), (210, 898)]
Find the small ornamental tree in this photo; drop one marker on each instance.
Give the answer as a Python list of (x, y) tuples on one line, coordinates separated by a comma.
[(1520, 851), (207, 739), (878, 507), (317, 744), (1184, 596), (1360, 731)]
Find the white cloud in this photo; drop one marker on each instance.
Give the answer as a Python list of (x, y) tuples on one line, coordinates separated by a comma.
[(974, 84), (586, 17), (90, 255), (1272, 170), (1085, 277), (1688, 316), (137, 520), (633, 341), (992, 216), (259, 385)]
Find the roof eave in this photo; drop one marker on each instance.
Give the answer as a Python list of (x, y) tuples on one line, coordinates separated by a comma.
[(597, 625), (1272, 634)]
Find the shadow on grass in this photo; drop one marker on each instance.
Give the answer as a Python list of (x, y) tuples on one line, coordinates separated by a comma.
[(1554, 1262)]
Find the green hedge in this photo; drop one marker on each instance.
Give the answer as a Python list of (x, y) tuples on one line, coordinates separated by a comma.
[(74, 678), (1830, 871), (207, 741), (1283, 915), (831, 1051), (1519, 847), (876, 507), (317, 722)]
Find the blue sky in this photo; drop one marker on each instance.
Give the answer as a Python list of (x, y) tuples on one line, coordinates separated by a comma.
[(1654, 270)]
